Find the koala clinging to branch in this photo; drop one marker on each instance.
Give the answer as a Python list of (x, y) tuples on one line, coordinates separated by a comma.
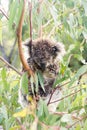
[(45, 56)]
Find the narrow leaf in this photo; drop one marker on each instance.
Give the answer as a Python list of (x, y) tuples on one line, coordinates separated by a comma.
[(36, 82), (85, 125), (13, 10), (81, 71), (24, 83), (41, 80), (32, 83)]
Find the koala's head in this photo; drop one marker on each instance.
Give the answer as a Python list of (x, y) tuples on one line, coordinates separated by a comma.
[(46, 55)]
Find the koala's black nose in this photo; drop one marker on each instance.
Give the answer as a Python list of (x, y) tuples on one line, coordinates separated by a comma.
[(42, 66)]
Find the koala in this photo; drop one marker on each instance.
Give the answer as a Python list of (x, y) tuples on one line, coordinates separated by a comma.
[(45, 56)]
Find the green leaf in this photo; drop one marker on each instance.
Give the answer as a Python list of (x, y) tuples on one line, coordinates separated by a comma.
[(41, 80), (19, 10), (84, 52), (13, 10), (81, 71), (66, 118), (3, 73), (24, 83), (16, 127), (85, 125), (4, 112), (43, 109), (71, 20), (36, 82), (40, 108), (4, 79), (54, 13), (32, 83), (78, 127), (84, 3)]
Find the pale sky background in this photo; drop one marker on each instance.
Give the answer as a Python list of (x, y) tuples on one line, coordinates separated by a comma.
[(4, 3)]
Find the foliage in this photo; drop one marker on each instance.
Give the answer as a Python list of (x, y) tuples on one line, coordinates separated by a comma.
[(64, 21)]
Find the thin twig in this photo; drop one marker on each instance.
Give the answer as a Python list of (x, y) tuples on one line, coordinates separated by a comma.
[(6, 16), (55, 90), (64, 84), (63, 113), (12, 67), (70, 126), (48, 126), (52, 31), (60, 113), (3, 12), (52, 94), (66, 96), (58, 88), (45, 25)]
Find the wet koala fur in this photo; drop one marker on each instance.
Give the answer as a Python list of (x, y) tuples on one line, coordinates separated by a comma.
[(44, 56)]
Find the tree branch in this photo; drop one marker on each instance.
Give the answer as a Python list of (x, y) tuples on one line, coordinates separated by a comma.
[(66, 96), (70, 126), (12, 67), (19, 35)]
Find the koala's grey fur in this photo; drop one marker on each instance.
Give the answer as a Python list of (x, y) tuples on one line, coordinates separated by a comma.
[(45, 56)]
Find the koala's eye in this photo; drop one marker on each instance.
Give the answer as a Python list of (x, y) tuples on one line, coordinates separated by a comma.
[(54, 50)]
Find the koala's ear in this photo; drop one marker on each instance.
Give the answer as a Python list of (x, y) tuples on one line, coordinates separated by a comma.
[(28, 43), (61, 48)]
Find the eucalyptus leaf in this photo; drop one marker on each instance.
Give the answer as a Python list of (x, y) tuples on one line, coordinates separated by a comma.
[(84, 3), (41, 80), (13, 10), (24, 83), (19, 11), (81, 71), (54, 13), (36, 82), (32, 83), (40, 108), (4, 79), (66, 118), (78, 127), (85, 125)]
